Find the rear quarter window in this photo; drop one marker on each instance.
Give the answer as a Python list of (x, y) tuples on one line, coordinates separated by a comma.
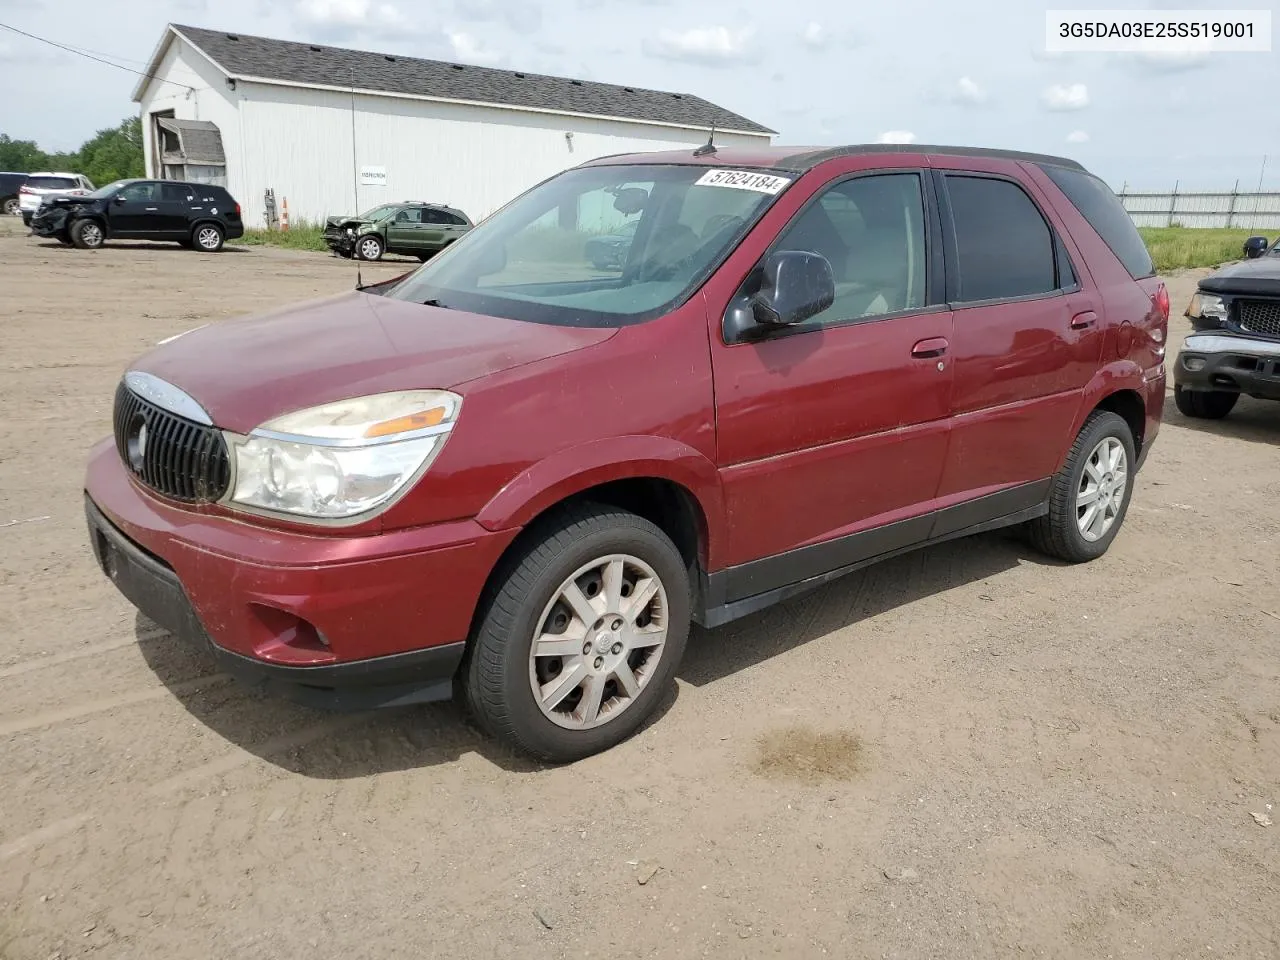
[(1107, 215)]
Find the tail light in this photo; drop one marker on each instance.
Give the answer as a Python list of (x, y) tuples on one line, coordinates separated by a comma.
[(25, 189), (1162, 302), (237, 209)]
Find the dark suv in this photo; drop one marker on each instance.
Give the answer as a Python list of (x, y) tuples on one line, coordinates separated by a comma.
[(513, 475), (10, 184), (194, 215), (412, 228)]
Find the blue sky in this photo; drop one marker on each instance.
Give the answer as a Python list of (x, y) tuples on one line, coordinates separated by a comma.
[(819, 71)]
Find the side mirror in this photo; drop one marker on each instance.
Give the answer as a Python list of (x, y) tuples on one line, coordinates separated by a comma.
[(796, 285), (118, 198), (1255, 247)]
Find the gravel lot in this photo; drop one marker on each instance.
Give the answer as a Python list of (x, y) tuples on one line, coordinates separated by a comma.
[(967, 752)]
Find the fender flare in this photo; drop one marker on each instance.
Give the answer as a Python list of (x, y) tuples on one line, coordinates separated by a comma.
[(1112, 378), (581, 467)]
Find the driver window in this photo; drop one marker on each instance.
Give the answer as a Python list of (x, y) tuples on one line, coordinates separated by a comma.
[(411, 215), (139, 191), (871, 230)]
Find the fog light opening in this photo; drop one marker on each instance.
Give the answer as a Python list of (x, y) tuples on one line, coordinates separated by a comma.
[(1193, 363), (284, 637)]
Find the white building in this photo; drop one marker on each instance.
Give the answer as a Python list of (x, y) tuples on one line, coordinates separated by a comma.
[(335, 131)]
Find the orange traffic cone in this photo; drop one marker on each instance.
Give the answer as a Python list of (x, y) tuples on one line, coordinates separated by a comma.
[(284, 215)]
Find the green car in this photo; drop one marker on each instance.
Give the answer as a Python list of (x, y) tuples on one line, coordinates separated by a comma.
[(412, 228)]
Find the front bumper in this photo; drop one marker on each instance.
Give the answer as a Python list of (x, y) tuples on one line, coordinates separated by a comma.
[(340, 243), (330, 621), (1229, 363)]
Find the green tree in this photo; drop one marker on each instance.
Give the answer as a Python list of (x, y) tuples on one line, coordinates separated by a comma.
[(114, 153)]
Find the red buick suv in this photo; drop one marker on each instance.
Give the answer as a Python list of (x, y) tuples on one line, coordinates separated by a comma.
[(519, 474)]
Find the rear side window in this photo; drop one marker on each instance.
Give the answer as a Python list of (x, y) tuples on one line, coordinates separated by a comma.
[(52, 183), (454, 219), (176, 192), (1004, 246), (1107, 215)]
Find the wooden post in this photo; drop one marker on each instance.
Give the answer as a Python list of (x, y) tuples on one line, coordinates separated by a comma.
[(1231, 210), (1173, 203)]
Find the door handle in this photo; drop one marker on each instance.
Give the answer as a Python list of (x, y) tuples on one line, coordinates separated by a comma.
[(933, 347), (1084, 320), (151, 209)]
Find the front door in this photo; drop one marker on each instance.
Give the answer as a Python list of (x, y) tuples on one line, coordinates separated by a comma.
[(134, 209), (403, 233), (832, 434), (1026, 342)]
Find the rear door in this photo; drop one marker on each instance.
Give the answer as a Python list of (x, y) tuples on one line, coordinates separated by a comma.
[(832, 433), (435, 228), (1027, 337), (172, 217)]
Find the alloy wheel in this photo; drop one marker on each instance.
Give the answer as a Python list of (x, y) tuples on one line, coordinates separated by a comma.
[(91, 235), (598, 642), (207, 237), (1103, 486), (370, 249)]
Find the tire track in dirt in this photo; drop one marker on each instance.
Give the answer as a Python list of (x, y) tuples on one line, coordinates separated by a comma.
[(109, 703), (41, 663)]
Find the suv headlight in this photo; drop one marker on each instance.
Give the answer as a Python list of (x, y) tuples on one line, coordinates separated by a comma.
[(342, 460), (1206, 306)]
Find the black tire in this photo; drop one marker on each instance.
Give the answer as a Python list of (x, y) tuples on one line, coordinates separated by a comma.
[(423, 257), (207, 237), (11, 206), (1204, 404), (495, 678), (26, 219), (1058, 533), (368, 248), (87, 234)]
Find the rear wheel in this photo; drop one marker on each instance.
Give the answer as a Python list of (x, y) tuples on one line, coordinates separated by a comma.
[(369, 248), (1204, 404), (87, 234), (11, 206), (1090, 495), (207, 237), (580, 636)]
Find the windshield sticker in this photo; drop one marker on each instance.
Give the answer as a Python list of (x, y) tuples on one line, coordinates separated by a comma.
[(744, 180)]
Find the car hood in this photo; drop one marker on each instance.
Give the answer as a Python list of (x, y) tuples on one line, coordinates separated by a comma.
[(246, 372), (1261, 276), (347, 221)]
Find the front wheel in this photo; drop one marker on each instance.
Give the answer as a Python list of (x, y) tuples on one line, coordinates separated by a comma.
[(1090, 495), (87, 234), (369, 248), (580, 636), (1204, 404)]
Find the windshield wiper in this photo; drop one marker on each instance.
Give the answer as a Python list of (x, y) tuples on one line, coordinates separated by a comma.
[(435, 303)]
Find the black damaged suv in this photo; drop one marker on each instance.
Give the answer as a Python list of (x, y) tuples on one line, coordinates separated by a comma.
[(1235, 348), (195, 215)]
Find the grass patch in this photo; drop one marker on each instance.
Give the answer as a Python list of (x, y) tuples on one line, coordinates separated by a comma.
[(800, 753), (299, 236), (1176, 248)]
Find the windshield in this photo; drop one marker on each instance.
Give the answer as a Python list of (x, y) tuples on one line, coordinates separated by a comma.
[(377, 213), (547, 256), (103, 192)]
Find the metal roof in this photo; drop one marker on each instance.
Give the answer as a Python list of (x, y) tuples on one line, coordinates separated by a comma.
[(248, 57)]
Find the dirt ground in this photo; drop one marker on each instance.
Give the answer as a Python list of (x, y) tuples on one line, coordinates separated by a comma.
[(967, 752)]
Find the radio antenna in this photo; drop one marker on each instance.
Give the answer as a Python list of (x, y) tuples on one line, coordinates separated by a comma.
[(708, 148)]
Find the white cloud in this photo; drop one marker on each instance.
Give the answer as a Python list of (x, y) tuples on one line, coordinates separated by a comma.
[(341, 20), (1077, 136), (467, 47), (521, 16), (896, 136), (814, 36), (1170, 61), (712, 46), (1063, 96), (966, 90)]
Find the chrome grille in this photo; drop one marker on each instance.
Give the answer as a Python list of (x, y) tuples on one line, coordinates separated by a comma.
[(178, 458), (1260, 316)]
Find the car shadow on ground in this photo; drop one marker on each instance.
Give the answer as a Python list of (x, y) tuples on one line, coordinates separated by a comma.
[(338, 746), (1257, 421), (159, 246), (317, 743), (715, 654)]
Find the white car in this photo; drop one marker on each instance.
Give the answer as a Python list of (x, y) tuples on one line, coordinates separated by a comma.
[(42, 185)]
